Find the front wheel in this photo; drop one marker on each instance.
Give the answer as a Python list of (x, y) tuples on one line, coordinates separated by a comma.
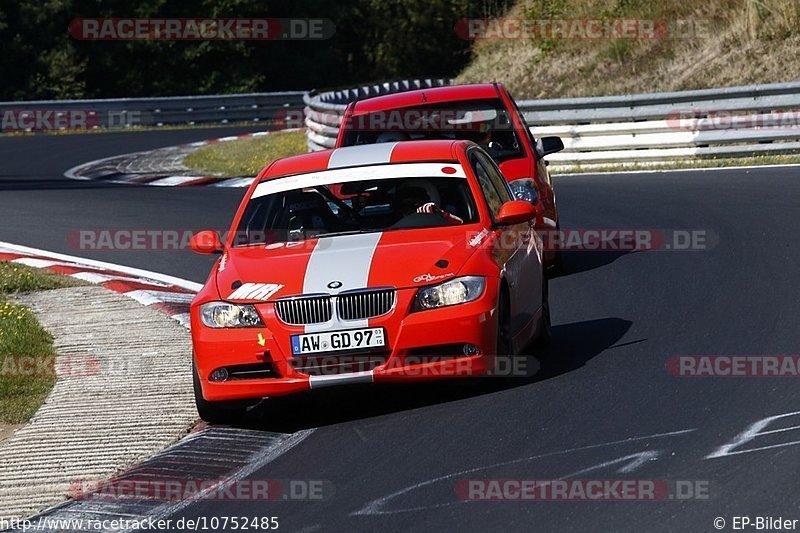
[(504, 344), (555, 267), (216, 412), (545, 327)]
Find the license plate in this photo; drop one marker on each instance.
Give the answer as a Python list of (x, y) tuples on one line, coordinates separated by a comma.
[(336, 341)]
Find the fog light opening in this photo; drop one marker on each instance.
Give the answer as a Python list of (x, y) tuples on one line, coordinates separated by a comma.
[(220, 374), (470, 349)]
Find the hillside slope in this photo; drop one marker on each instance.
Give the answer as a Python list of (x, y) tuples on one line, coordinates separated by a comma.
[(721, 43)]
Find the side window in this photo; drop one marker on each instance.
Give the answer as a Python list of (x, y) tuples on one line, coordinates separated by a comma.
[(524, 122), (493, 197), (497, 178)]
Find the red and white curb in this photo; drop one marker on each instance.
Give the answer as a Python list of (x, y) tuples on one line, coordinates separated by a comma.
[(167, 294), (123, 389), (108, 169)]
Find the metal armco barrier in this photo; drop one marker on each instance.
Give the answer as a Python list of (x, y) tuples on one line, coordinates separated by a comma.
[(324, 111), (124, 112), (659, 127)]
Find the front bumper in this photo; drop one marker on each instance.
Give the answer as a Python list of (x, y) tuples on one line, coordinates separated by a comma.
[(417, 349)]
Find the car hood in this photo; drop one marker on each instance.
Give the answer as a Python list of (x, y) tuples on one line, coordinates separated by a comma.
[(330, 265)]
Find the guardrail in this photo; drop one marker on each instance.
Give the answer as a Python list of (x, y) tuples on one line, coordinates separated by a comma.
[(324, 111), (643, 128), (124, 112)]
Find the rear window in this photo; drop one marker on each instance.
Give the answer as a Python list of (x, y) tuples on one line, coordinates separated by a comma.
[(485, 122)]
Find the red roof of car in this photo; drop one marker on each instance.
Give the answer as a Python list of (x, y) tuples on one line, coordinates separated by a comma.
[(367, 154), (449, 93)]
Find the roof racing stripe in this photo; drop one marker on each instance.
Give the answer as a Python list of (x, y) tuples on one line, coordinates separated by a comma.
[(354, 156)]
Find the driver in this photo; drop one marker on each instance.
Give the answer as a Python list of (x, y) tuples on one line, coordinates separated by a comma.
[(416, 200)]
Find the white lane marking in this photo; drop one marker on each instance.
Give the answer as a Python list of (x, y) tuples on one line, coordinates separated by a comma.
[(183, 319), (97, 278), (375, 507), (346, 259), (174, 180), (753, 431), (355, 156), (91, 263), (147, 298), (630, 463), (233, 182), (73, 173), (702, 169), (37, 263), (347, 175)]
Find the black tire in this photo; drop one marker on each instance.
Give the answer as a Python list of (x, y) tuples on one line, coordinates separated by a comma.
[(504, 345), (545, 326), (555, 267), (216, 412)]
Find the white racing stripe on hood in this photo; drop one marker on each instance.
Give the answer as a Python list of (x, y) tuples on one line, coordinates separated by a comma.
[(347, 259)]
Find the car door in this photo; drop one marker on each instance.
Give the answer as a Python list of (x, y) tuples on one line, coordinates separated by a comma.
[(516, 247)]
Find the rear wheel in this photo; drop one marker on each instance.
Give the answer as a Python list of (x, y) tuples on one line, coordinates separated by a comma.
[(216, 412)]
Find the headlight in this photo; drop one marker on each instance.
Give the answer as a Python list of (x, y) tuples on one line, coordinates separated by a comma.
[(525, 189), (227, 315), (455, 291)]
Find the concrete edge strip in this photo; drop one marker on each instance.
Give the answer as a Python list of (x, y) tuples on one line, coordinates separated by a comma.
[(163, 291), (102, 374), (240, 452), (79, 172)]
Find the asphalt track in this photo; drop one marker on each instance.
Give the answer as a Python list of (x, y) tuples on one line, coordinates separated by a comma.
[(603, 405)]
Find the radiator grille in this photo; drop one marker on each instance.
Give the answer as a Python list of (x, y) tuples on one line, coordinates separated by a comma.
[(365, 304), (306, 310), (355, 305)]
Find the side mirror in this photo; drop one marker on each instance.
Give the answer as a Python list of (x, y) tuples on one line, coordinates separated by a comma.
[(549, 145), (516, 212), (206, 242)]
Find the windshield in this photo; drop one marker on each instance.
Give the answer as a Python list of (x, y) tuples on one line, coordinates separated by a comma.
[(357, 200), (484, 122)]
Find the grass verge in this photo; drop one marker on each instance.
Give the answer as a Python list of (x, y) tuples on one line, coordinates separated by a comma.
[(245, 157), (27, 357)]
